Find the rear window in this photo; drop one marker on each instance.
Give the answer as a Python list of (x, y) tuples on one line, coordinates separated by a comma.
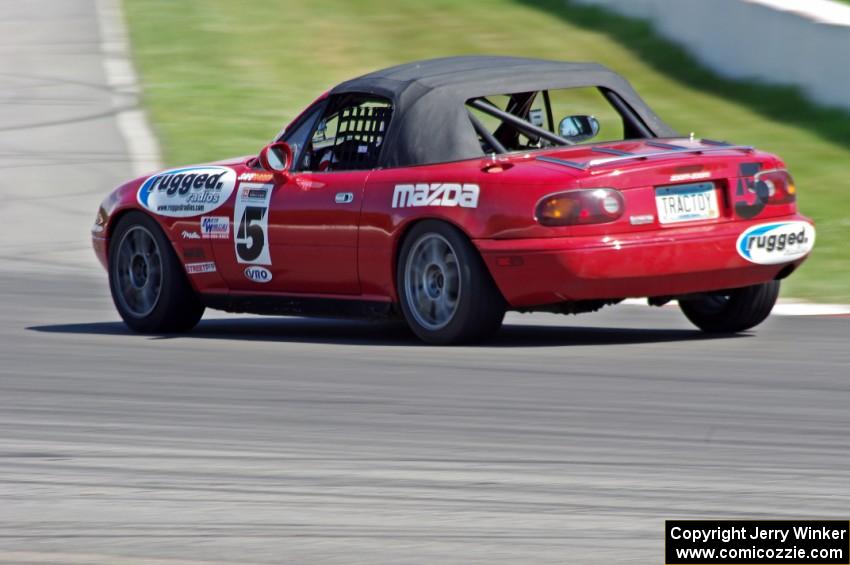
[(586, 113)]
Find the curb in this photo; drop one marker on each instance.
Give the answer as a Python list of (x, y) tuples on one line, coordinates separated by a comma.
[(784, 307), (142, 145), (799, 43)]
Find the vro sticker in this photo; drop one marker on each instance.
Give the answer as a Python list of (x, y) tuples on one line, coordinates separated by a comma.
[(258, 274), (778, 242)]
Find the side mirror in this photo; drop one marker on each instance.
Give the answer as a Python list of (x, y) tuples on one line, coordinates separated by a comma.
[(277, 158), (578, 128)]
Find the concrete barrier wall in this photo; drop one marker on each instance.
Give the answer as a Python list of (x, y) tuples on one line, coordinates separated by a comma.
[(803, 43)]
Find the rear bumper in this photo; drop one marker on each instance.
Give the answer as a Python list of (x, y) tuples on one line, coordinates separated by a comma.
[(667, 262)]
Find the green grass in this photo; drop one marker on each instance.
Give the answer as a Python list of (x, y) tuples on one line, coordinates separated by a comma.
[(222, 77)]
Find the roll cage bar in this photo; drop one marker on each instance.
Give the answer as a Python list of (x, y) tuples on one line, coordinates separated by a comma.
[(633, 125)]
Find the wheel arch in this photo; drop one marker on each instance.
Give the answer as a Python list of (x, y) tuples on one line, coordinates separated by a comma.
[(116, 218), (404, 231)]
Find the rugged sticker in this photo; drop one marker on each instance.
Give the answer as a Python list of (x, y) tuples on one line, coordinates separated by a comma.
[(191, 191), (778, 242), (435, 194), (215, 227), (251, 223), (197, 268), (258, 274)]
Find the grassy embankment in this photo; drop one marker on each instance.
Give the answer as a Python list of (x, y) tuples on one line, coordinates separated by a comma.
[(221, 78)]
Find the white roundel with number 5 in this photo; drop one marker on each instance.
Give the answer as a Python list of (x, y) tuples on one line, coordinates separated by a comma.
[(251, 223)]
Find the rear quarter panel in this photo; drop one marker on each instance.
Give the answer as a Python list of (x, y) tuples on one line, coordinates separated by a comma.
[(507, 194)]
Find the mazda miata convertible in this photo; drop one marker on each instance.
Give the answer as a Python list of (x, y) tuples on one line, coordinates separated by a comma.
[(446, 192)]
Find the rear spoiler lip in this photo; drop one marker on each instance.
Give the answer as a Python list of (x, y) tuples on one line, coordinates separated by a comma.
[(679, 151)]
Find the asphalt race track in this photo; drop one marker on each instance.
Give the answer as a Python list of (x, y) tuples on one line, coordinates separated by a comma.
[(282, 440)]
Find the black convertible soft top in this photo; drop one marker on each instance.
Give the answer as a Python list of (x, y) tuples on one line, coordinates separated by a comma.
[(430, 123)]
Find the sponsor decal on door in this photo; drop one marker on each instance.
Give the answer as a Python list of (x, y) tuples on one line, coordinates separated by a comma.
[(251, 223)]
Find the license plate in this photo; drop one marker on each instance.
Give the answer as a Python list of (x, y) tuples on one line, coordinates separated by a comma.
[(686, 203)]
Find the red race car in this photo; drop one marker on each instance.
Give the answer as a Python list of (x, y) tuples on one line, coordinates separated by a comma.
[(447, 192)]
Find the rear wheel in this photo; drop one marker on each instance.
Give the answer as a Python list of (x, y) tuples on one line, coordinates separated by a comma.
[(733, 310), (446, 293), (148, 285)]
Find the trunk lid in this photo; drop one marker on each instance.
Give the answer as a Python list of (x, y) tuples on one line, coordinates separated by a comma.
[(643, 162), (676, 182)]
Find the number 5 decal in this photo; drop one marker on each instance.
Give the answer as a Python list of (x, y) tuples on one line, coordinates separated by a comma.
[(747, 186), (251, 219), (251, 237)]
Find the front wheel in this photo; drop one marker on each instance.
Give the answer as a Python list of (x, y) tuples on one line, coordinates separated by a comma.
[(147, 281), (446, 293), (733, 310)]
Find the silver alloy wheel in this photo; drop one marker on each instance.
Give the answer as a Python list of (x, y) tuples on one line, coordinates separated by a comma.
[(138, 272), (432, 283)]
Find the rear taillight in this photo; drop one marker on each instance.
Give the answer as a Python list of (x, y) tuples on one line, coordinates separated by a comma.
[(778, 185), (577, 207)]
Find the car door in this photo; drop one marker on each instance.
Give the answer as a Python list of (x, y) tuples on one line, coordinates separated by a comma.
[(300, 236), (313, 221)]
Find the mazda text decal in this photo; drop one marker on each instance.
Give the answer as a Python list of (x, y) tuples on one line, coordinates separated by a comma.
[(191, 191), (778, 242), (435, 194)]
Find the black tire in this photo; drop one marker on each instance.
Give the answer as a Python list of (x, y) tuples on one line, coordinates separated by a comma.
[(476, 306), (733, 310), (147, 281)]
